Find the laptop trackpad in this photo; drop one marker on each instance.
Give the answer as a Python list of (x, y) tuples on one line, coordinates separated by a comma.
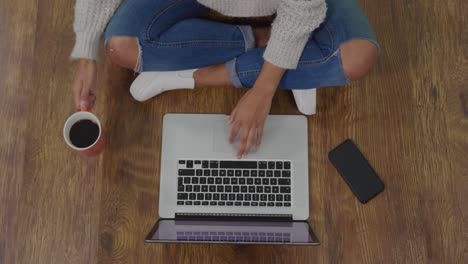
[(221, 139)]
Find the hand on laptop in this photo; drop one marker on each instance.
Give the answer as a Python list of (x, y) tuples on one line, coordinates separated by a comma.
[(84, 83), (249, 117)]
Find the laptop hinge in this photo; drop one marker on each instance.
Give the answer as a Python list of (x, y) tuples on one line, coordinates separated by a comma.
[(234, 217)]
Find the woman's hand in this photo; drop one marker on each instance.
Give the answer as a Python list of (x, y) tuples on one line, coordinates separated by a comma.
[(83, 86), (249, 117), (253, 108)]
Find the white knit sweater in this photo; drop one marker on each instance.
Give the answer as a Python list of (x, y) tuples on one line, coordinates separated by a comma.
[(295, 21)]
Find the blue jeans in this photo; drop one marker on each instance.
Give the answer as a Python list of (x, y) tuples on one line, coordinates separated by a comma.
[(172, 36)]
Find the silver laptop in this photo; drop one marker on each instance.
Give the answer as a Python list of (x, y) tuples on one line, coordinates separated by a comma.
[(207, 195)]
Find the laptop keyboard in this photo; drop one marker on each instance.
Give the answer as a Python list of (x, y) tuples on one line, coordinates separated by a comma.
[(234, 183), (234, 236)]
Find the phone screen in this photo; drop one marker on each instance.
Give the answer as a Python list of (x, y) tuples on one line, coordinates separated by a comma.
[(356, 171)]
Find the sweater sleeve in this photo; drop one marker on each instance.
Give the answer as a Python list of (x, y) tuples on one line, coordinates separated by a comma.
[(91, 18), (295, 21)]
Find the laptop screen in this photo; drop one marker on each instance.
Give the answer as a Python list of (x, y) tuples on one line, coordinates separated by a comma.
[(252, 232)]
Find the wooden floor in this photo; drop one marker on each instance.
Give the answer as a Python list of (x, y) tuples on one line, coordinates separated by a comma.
[(409, 117)]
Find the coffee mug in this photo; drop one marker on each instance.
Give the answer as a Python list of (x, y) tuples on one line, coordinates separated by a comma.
[(81, 142)]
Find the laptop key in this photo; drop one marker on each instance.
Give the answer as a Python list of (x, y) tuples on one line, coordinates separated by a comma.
[(251, 189), (188, 188), (269, 173), (279, 204), (286, 173), (224, 197), (240, 197), (254, 203), (263, 197), (275, 189), (230, 173), (189, 164), (248, 197), (287, 165), (196, 188), (258, 181), (279, 197), (235, 164), (226, 180), (228, 189), (205, 164), (242, 181), (212, 188), (186, 180), (287, 197), (229, 203), (235, 188), (256, 197), (196, 203), (213, 164), (204, 188), (180, 202), (271, 204), (195, 180), (208, 196), (238, 173), (192, 196), (221, 203), (199, 172), (273, 181), (238, 203), (206, 173), (244, 189), (183, 172), (181, 161), (245, 173), (249, 181), (213, 203), (232, 197), (259, 189), (261, 173), (253, 173), (279, 165), (262, 204), (180, 188), (198, 162), (265, 181), (222, 173), (219, 181), (188, 202), (284, 182), (203, 180), (210, 181), (220, 189), (287, 204), (234, 181), (271, 165), (245, 204), (271, 197), (285, 190), (200, 196), (277, 173), (205, 203), (262, 165), (182, 196), (214, 172)]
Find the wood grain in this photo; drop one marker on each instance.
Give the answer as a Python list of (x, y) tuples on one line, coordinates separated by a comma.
[(409, 117)]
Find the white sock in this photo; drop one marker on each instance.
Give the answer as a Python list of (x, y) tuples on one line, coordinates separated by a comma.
[(150, 84)]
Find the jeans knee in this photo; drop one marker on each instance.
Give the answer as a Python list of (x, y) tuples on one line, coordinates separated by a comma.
[(358, 58), (123, 51)]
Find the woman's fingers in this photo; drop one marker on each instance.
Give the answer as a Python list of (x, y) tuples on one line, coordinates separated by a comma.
[(260, 134), (243, 141), (77, 85), (234, 132), (250, 141)]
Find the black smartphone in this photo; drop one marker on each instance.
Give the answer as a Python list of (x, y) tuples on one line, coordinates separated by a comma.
[(356, 171)]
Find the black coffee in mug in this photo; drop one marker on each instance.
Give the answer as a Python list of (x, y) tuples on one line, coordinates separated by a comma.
[(84, 133)]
